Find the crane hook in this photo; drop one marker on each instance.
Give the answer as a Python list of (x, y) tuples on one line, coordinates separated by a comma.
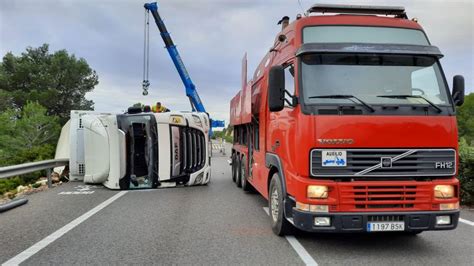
[(145, 85)]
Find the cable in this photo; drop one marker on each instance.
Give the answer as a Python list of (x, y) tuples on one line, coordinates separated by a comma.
[(299, 3), (147, 45), (144, 46), (146, 54)]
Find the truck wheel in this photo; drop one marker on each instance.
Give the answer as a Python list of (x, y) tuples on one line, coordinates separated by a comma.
[(237, 169), (280, 225), (234, 168), (243, 175)]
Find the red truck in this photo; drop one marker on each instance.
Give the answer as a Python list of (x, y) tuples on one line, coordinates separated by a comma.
[(348, 125)]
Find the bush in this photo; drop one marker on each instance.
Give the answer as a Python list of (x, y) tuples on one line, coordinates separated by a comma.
[(9, 184), (465, 117), (466, 172), (26, 135)]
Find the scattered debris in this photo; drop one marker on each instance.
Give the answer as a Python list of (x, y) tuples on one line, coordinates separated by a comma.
[(40, 185)]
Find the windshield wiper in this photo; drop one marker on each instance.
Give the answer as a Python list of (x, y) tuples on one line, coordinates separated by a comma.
[(340, 96), (402, 96)]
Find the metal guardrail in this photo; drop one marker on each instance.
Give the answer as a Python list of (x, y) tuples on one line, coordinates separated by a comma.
[(20, 169)]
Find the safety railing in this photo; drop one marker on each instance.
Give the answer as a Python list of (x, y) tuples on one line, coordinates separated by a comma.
[(219, 147), (21, 169)]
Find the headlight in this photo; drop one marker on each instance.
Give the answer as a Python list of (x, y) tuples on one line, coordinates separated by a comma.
[(444, 191), (317, 192)]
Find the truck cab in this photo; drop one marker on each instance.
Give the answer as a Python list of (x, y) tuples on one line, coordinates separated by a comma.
[(348, 125), (140, 149)]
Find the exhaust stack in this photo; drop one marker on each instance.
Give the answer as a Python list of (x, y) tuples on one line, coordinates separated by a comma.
[(284, 21)]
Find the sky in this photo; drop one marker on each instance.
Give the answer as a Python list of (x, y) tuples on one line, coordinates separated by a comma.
[(212, 37)]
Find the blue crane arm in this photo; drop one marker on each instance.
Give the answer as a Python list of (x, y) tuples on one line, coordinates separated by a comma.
[(191, 91)]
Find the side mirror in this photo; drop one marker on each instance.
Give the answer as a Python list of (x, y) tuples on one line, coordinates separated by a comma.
[(276, 89), (458, 90)]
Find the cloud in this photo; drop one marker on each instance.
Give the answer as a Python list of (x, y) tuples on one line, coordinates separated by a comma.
[(212, 37)]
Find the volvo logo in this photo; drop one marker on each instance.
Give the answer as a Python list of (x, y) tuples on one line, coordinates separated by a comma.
[(386, 162), (335, 141)]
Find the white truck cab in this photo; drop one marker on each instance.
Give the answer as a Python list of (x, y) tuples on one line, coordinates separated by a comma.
[(140, 150)]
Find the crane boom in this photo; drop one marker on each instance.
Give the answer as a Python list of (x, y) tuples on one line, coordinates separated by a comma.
[(191, 92)]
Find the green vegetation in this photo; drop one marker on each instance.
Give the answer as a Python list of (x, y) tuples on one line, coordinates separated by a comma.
[(26, 135), (57, 81), (38, 89), (466, 172), (225, 134), (465, 116)]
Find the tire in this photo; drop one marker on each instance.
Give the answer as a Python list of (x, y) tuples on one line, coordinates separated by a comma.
[(238, 182), (234, 168), (243, 175), (280, 225)]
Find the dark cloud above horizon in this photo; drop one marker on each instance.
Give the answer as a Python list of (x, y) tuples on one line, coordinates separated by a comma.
[(212, 37)]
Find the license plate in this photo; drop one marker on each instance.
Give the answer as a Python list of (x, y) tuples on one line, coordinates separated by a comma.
[(334, 158), (385, 226)]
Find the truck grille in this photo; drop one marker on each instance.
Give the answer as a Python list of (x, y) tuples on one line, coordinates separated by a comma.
[(189, 148), (376, 197), (401, 162)]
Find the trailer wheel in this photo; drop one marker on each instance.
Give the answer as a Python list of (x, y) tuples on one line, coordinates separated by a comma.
[(238, 182), (234, 168), (243, 175), (280, 225)]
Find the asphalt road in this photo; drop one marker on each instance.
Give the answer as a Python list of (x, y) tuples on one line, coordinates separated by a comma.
[(214, 224)]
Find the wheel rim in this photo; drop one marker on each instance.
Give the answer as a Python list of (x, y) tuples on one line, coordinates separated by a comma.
[(274, 204)]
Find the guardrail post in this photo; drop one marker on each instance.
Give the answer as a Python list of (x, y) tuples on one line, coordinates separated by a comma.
[(48, 174)]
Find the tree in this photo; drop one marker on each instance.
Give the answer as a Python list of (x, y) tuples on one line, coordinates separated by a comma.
[(57, 81), (465, 117), (27, 135)]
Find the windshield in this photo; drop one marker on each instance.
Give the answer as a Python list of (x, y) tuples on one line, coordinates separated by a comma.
[(370, 76)]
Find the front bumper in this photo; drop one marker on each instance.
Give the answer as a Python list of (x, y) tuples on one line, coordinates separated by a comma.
[(357, 222)]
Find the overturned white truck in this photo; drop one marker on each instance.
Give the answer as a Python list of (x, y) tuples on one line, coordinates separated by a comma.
[(140, 150)]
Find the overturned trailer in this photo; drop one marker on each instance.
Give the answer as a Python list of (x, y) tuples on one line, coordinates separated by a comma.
[(140, 150)]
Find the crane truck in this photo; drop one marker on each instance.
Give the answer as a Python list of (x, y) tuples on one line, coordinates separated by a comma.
[(140, 149), (348, 125)]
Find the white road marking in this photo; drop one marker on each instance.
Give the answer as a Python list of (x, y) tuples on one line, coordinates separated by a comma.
[(266, 210), (79, 190), (466, 221), (63, 230), (296, 245), (304, 255), (76, 192)]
